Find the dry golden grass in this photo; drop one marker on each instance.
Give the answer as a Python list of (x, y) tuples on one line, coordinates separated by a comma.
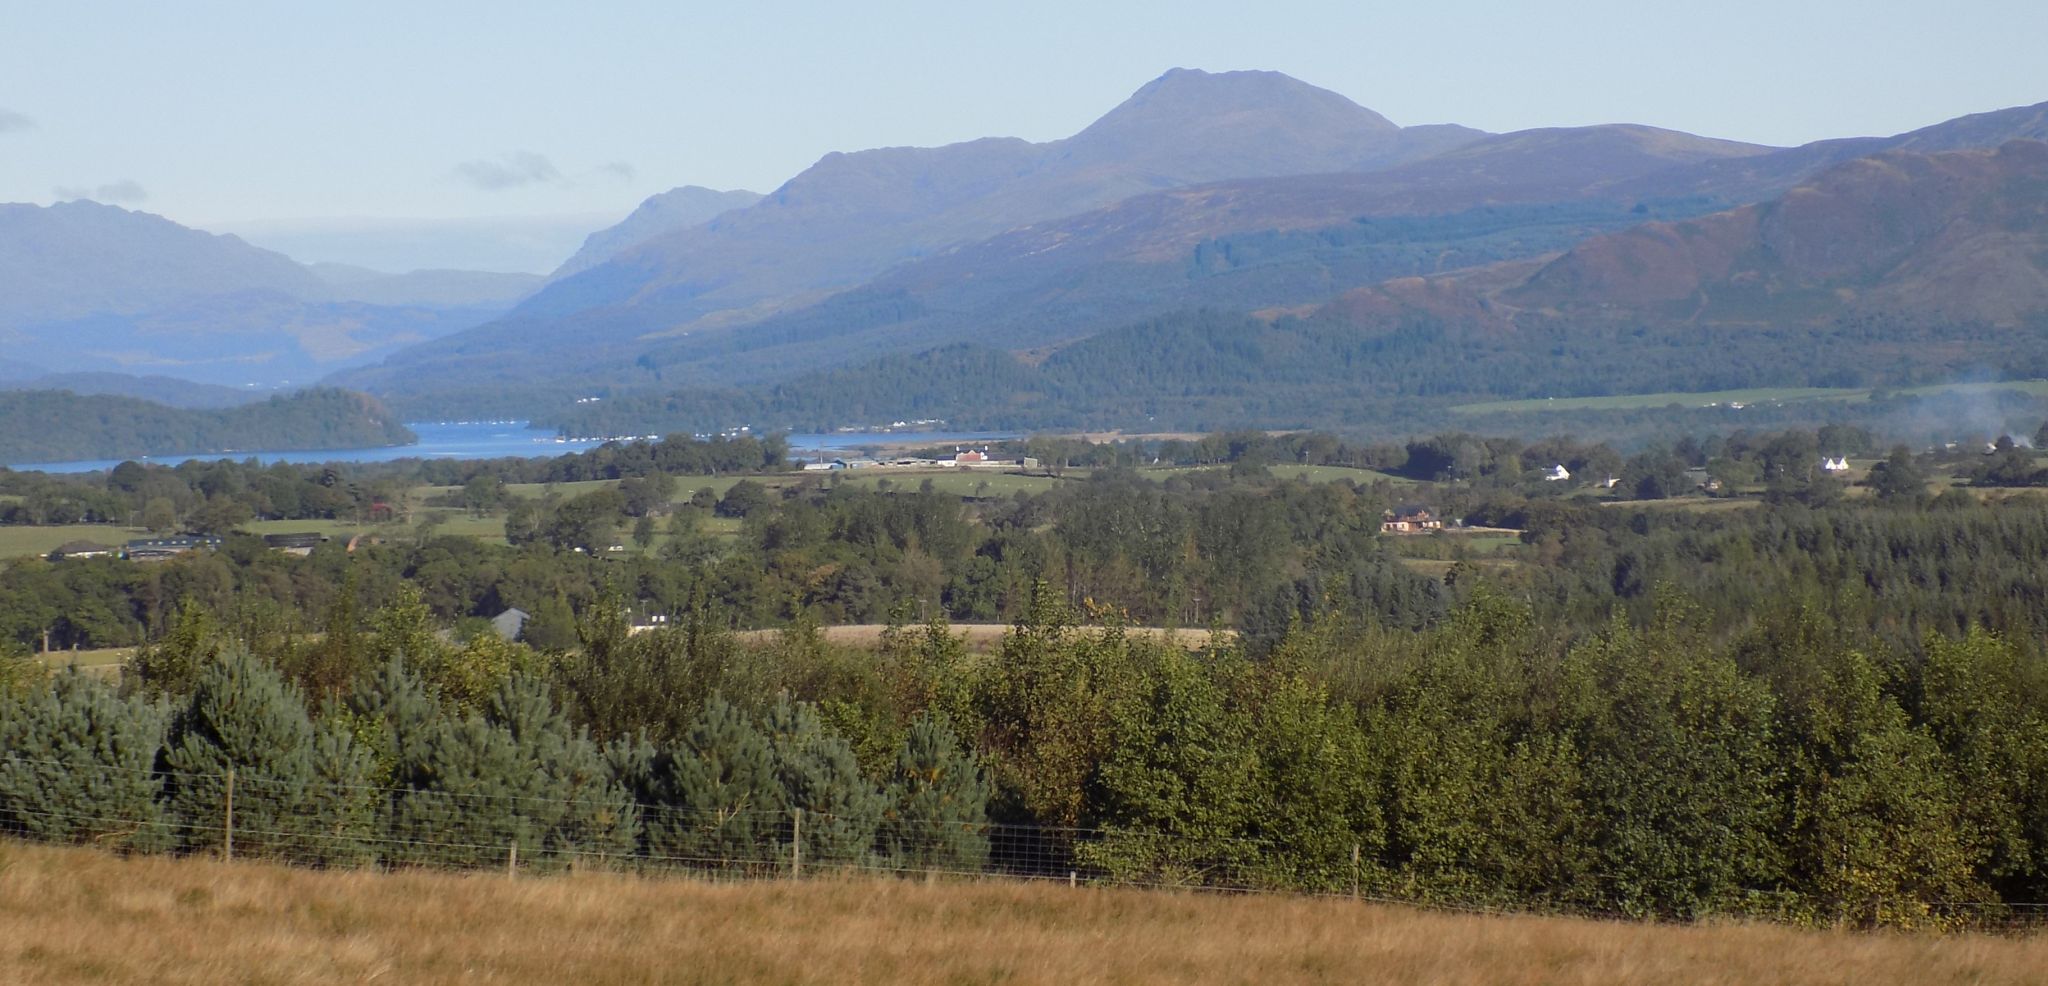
[(77, 916)]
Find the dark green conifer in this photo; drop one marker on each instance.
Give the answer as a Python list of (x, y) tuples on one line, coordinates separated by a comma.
[(474, 788), (820, 774), (79, 765), (938, 803), (293, 797), (714, 800)]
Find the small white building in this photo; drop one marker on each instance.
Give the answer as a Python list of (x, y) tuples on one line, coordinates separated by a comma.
[(1835, 465), (1557, 474)]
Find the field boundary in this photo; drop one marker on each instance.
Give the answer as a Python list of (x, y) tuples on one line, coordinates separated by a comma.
[(244, 817)]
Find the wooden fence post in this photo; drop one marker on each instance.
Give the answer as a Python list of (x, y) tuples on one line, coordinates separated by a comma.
[(796, 846), (227, 821)]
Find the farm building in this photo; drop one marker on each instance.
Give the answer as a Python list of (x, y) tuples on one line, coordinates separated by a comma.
[(159, 549), (81, 549), (510, 623), (299, 543), (1411, 518)]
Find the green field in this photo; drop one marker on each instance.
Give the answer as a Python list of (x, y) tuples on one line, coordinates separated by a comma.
[(340, 530), (23, 542), (457, 522), (1622, 402), (534, 491), (1330, 474), (1314, 474), (105, 661), (1490, 542), (1698, 504), (685, 485), (1755, 395), (953, 482)]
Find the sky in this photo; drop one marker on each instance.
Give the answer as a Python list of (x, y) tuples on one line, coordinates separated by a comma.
[(495, 134)]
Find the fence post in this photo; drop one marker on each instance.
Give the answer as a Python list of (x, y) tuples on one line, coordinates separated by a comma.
[(227, 820), (1354, 871), (512, 858), (796, 845)]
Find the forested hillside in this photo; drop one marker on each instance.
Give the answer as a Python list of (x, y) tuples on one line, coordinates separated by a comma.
[(1401, 375), (56, 425)]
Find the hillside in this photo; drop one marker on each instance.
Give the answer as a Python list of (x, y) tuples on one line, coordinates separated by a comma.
[(81, 258), (50, 426), (95, 288), (1429, 201), (852, 216), (1282, 243), (1942, 256), (1957, 236), (445, 288), (675, 209), (89, 917), (169, 391)]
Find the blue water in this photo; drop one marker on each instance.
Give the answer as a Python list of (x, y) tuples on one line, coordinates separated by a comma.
[(497, 440)]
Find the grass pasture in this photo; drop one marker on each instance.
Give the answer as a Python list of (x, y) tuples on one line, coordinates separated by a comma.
[(1753, 395), (340, 530), (1693, 504), (1624, 402), (105, 661), (28, 542), (82, 916), (1313, 474), (952, 482)]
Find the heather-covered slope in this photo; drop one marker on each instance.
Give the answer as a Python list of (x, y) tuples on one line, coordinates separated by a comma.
[(1898, 269), (1958, 236)]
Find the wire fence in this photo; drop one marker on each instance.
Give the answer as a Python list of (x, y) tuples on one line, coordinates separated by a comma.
[(236, 815)]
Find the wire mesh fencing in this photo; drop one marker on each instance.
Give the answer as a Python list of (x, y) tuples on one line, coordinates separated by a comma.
[(248, 816)]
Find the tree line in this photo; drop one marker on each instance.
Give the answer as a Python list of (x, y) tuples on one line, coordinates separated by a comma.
[(1796, 768)]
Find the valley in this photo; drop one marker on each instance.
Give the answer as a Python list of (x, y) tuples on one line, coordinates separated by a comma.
[(644, 493)]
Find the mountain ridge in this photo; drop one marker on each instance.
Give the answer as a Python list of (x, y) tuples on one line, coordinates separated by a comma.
[(1899, 269), (852, 215), (86, 287), (677, 208)]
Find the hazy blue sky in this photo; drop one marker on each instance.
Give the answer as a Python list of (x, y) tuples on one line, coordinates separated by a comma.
[(222, 114)]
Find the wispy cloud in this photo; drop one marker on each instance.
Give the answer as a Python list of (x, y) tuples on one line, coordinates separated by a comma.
[(510, 170), (619, 171), (126, 190), (11, 121)]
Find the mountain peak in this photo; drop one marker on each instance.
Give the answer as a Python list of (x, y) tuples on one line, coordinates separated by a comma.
[(664, 212), (1246, 89), (1207, 126), (1192, 97)]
